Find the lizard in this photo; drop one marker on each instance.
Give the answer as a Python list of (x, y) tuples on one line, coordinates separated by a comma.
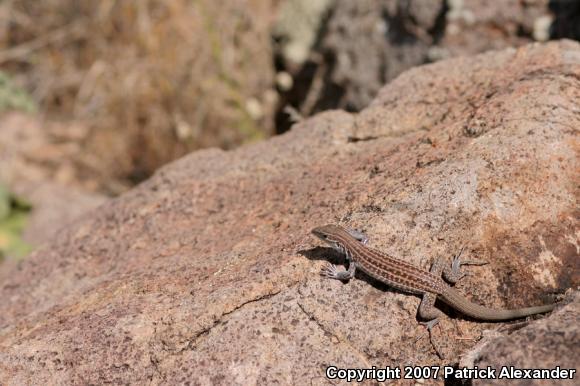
[(411, 279)]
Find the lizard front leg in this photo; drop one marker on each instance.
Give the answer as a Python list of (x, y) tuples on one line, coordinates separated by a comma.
[(332, 272), (359, 236)]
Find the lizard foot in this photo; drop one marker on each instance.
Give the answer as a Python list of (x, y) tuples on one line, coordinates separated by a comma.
[(429, 325), (329, 271)]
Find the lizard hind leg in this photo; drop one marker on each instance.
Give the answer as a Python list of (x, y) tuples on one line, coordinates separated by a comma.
[(428, 312), (427, 308), (453, 274)]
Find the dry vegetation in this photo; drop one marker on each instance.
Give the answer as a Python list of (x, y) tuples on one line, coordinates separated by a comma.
[(150, 79)]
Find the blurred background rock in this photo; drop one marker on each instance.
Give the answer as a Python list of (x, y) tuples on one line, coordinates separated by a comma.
[(115, 89)]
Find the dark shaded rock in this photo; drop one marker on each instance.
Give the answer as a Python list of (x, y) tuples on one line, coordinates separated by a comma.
[(367, 43)]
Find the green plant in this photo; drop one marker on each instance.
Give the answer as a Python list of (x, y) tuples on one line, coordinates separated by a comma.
[(12, 97), (13, 215)]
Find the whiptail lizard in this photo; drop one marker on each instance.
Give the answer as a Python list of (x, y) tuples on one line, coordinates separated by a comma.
[(406, 277)]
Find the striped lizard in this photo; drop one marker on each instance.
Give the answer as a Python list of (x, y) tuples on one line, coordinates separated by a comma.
[(409, 278)]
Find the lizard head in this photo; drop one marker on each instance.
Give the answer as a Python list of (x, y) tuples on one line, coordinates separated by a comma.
[(330, 234)]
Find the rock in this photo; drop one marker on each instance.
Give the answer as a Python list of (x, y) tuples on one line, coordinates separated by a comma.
[(554, 340), (367, 43), (206, 273), (296, 28)]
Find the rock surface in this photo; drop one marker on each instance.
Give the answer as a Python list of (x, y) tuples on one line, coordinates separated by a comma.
[(552, 340), (206, 273)]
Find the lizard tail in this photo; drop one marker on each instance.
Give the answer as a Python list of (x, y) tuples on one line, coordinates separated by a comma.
[(459, 302)]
